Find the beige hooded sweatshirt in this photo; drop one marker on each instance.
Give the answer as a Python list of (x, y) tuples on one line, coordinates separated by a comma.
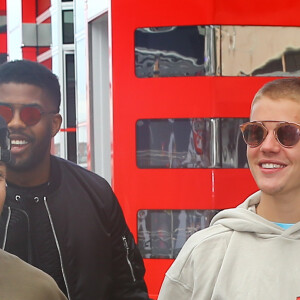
[(21, 281), (241, 256)]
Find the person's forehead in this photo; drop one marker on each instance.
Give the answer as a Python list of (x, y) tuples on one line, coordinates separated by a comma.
[(23, 93), (282, 109)]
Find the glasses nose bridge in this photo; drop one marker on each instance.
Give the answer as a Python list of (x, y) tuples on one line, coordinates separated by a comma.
[(269, 139), (16, 120)]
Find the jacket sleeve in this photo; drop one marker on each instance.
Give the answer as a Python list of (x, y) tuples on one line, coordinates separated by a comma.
[(128, 266)]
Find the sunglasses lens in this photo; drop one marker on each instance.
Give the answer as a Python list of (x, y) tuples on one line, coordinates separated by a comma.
[(6, 113), (30, 115), (288, 135), (253, 134)]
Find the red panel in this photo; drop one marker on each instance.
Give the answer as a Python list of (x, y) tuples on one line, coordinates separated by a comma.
[(29, 53), (3, 43), (48, 20), (2, 7), (29, 11), (41, 50), (42, 6), (135, 98), (3, 36), (152, 265), (47, 63)]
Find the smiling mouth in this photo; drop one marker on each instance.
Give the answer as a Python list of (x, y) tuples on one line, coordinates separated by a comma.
[(272, 166), (18, 143)]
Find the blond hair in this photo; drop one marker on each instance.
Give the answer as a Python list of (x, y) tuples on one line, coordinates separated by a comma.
[(285, 88)]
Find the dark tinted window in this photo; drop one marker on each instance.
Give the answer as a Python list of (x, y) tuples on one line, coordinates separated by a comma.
[(171, 51), (162, 233), (71, 107), (217, 50), (68, 27), (190, 143)]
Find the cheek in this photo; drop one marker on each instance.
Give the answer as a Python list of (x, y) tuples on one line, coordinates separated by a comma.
[(42, 131), (251, 155)]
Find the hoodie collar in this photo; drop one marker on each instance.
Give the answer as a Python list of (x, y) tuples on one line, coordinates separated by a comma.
[(244, 219)]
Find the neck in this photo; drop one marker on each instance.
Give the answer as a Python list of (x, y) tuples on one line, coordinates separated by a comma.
[(281, 209), (28, 178)]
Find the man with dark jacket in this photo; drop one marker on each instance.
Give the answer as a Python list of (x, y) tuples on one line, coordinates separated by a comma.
[(19, 280), (59, 217)]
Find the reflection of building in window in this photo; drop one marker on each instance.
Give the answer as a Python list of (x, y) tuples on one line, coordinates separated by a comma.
[(162, 233), (233, 148), (217, 50), (198, 154), (3, 26), (259, 50), (82, 152), (144, 235), (190, 143), (172, 51), (289, 62)]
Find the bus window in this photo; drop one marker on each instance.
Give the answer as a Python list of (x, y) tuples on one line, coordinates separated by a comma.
[(260, 51), (217, 50), (190, 143), (162, 233), (173, 51)]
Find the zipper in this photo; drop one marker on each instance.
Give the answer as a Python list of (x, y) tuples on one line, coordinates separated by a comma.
[(127, 257), (58, 248), (29, 251), (6, 228)]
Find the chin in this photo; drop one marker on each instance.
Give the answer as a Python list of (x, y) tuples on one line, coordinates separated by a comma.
[(19, 165), (272, 191)]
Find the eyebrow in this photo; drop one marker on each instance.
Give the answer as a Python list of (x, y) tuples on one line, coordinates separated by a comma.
[(13, 104)]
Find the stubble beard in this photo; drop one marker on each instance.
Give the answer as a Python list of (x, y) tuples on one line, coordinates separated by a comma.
[(34, 159)]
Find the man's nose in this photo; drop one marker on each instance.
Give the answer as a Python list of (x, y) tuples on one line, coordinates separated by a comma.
[(270, 143), (16, 121)]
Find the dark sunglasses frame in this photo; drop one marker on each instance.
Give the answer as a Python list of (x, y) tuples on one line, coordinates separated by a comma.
[(22, 107), (266, 131)]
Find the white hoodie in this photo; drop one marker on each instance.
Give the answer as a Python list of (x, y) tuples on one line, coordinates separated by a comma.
[(240, 256)]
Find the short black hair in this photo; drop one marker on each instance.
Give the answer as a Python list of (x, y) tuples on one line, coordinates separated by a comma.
[(30, 72)]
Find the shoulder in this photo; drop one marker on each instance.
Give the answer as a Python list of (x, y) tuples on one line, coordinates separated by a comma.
[(73, 172), (203, 251), (32, 283), (94, 189), (205, 239)]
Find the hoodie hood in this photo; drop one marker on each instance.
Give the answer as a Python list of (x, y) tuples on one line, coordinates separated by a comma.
[(244, 219)]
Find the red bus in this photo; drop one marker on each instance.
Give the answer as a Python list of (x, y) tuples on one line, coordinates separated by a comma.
[(183, 77), (3, 32)]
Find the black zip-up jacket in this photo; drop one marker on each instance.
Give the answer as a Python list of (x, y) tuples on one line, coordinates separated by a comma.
[(96, 254)]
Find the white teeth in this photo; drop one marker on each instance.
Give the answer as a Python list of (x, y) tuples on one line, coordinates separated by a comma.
[(272, 166), (19, 142)]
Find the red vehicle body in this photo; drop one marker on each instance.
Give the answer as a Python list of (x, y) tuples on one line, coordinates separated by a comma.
[(167, 97), (3, 34)]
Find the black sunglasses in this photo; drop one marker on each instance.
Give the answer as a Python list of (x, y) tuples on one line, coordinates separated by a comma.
[(286, 133), (29, 114)]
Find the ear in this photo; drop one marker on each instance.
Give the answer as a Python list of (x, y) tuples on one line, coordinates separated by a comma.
[(56, 123)]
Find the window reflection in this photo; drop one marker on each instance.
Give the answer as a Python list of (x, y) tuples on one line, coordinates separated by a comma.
[(162, 233), (172, 51), (217, 50), (190, 143), (68, 27), (260, 50), (3, 23), (71, 107)]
